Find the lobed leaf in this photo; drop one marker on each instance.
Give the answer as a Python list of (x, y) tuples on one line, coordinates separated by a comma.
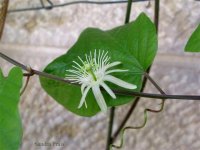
[(133, 44), (10, 122)]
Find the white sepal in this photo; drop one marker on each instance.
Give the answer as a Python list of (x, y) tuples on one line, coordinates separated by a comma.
[(119, 82), (83, 97), (99, 98), (110, 92)]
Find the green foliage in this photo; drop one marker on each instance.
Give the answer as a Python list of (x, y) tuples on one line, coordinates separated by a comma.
[(10, 122), (133, 44), (193, 44)]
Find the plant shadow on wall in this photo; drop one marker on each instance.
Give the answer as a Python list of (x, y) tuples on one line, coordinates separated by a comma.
[(102, 69)]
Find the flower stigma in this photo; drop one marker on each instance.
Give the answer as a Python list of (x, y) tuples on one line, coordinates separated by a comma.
[(89, 69)]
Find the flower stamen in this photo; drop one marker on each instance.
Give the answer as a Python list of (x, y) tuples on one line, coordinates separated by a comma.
[(89, 69)]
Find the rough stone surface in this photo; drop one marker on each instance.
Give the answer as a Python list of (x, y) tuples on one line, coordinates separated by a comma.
[(60, 27), (35, 38)]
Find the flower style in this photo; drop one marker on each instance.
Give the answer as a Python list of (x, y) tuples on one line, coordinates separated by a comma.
[(93, 73)]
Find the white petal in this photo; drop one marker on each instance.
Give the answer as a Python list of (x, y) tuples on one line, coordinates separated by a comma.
[(99, 98), (83, 86), (119, 82), (108, 90), (85, 104), (112, 64), (83, 97), (115, 70)]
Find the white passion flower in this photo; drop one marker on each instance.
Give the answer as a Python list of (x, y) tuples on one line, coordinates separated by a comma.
[(92, 73)]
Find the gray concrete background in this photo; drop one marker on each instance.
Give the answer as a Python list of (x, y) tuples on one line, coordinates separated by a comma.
[(36, 38)]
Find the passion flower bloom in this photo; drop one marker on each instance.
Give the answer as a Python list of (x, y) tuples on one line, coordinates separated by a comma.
[(92, 73)]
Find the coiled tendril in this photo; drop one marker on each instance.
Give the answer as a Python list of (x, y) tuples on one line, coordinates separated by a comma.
[(137, 127), (146, 110)]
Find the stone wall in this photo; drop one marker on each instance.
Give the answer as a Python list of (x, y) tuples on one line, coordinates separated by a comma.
[(36, 37)]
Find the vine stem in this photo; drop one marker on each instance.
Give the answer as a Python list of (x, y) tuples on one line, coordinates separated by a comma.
[(3, 14), (25, 86), (157, 96), (117, 92), (127, 116), (110, 128), (52, 5), (33, 71), (146, 110), (112, 110)]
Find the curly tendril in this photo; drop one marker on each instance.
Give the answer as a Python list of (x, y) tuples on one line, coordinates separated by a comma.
[(137, 127)]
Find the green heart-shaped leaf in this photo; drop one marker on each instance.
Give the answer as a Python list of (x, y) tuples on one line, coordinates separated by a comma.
[(10, 122), (193, 44), (133, 44)]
